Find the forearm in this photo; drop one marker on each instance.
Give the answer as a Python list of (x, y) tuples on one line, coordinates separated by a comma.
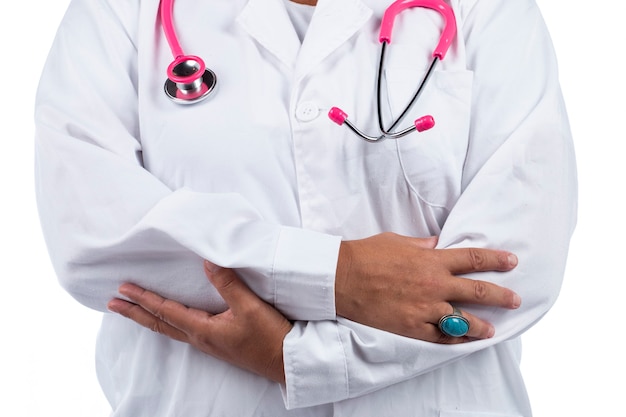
[(518, 194), (109, 216), (161, 247), (332, 361)]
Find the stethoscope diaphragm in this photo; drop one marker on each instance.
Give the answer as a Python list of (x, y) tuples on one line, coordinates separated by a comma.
[(184, 85)]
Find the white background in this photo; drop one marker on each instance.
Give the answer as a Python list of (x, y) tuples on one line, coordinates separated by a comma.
[(573, 359)]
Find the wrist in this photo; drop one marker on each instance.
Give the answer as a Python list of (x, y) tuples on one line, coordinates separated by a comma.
[(276, 367), (344, 264)]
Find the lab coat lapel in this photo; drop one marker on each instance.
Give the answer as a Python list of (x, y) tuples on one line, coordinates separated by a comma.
[(333, 23), (268, 22)]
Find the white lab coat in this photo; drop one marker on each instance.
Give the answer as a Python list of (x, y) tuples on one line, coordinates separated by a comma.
[(133, 187)]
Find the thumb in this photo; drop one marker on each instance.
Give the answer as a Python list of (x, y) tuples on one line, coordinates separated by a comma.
[(228, 284)]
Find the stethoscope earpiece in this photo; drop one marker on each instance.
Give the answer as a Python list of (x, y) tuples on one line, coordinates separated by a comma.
[(188, 80)]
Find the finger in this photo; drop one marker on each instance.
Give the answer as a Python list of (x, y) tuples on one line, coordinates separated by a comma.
[(146, 319), (181, 317), (478, 328), (466, 260), (234, 291), (465, 290)]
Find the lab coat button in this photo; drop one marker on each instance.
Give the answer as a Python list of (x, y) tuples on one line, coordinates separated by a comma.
[(307, 111)]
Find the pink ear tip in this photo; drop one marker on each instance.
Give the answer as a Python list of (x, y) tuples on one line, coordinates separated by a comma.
[(337, 115), (424, 123)]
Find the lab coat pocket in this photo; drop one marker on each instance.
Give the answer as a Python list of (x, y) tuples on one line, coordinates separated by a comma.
[(457, 413), (432, 161)]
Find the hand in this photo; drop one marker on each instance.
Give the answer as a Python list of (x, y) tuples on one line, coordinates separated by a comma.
[(404, 285), (249, 334)]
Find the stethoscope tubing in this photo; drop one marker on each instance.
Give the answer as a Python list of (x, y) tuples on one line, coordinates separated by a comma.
[(387, 132), (167, 22), (423, 123), (189, 81), (447, 35)]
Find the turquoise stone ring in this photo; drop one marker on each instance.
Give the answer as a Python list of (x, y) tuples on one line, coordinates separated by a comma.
[(454, 325)]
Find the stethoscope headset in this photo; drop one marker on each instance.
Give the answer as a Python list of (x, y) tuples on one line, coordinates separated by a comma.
[(190, 81)]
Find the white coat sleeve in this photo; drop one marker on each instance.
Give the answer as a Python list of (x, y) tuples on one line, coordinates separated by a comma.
[(107, 220), (519, 194)]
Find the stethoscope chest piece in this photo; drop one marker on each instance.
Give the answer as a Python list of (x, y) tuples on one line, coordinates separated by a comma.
[(189, 81)]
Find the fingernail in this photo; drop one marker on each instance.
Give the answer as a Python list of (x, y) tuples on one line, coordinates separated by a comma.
[(491, 332), (512, 260), (517, 301)]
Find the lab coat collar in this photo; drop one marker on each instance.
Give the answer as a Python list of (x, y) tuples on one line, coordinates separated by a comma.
[(333, 23), (269, 24)]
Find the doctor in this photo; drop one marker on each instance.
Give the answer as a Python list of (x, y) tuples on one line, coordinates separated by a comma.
[(135, 188)]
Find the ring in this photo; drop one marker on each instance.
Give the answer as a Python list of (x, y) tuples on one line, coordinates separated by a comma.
[(454, 325)]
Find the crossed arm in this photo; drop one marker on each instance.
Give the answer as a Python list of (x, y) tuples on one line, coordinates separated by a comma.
[(140, 228), (390, 282)]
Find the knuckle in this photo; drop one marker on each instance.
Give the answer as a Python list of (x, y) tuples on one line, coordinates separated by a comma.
[(476, 258), (409, 323), (160, 310), (156, 326), (481, 290)]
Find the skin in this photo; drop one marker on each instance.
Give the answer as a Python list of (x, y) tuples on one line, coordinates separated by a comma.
[(404, 285), (249, 334), (391, 282)]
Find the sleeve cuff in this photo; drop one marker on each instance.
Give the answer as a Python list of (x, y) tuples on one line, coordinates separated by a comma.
[(316, 371), (304, 274)]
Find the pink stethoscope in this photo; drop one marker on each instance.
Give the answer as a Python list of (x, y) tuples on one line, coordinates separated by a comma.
[(190, 81)]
